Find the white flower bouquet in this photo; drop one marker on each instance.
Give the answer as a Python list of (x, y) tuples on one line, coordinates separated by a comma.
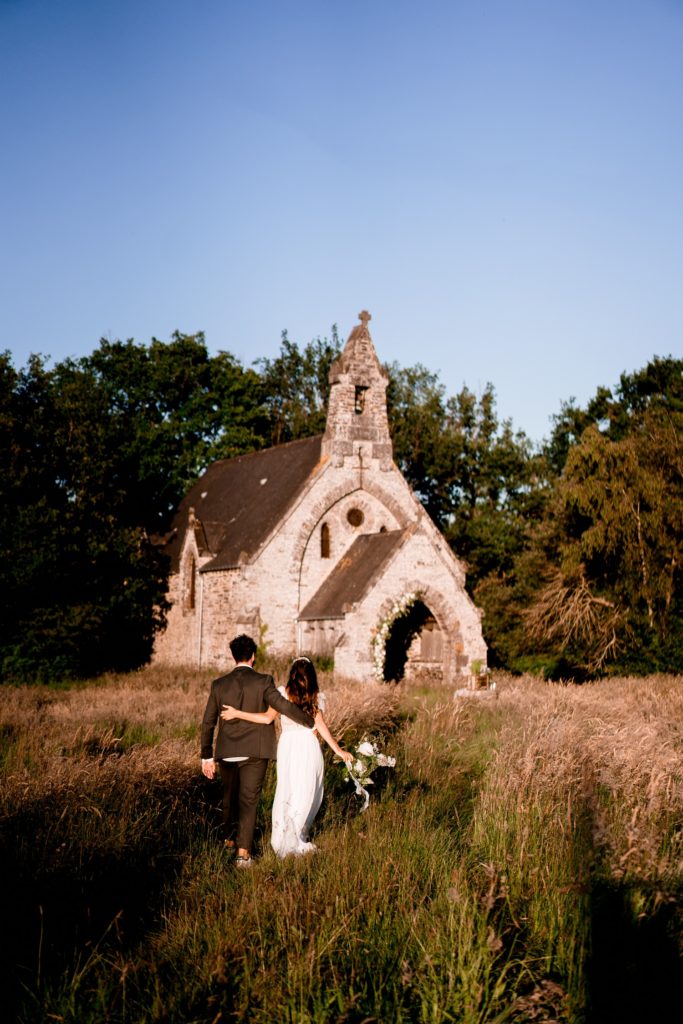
[(368, 758)]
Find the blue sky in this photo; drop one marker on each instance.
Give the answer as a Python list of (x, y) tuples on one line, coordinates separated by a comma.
[(499, 183)]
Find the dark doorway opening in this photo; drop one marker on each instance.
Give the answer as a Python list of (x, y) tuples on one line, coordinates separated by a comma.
[(402, 633)]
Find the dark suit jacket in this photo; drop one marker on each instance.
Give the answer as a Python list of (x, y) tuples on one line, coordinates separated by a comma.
[(247, 690)]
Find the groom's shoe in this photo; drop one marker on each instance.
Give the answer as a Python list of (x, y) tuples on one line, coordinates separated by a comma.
[(243, 862)]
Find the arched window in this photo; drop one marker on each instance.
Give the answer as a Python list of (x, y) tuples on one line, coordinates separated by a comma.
[(190, 592), (359, 401), (324, 541)]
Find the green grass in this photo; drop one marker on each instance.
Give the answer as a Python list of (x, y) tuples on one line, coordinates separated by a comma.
[(486, 884), (386, 921)]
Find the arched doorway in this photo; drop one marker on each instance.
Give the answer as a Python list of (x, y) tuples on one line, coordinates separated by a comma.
[(413, 644)]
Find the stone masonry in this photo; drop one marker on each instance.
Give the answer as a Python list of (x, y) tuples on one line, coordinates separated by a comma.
[(309, 545)]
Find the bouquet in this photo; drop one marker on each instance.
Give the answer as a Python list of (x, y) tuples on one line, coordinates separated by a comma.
[(368, 757)]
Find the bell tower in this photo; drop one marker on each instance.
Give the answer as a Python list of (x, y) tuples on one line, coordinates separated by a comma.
[(357, 421)]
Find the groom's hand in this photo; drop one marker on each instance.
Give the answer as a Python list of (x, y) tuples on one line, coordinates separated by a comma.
[(209, 767)]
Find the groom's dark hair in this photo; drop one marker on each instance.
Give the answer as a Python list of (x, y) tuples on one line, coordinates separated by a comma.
[(242, 647)]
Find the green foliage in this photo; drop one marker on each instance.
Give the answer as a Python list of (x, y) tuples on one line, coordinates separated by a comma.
[(296, 387), (96, 454), (178, 409), (658, 386), (622, 533), (500, 486), (521, 863), (479, 480), (484, 486), (604, 563), (417, 415)]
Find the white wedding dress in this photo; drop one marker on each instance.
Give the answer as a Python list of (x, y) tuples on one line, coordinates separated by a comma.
[(299, 789)]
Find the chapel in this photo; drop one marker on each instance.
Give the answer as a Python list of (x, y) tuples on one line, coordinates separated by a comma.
[(319, 547)]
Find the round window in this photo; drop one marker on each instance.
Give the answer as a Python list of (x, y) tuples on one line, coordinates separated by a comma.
[(355, 516)]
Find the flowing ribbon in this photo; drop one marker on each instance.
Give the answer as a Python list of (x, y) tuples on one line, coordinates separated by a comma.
[(359, 789)]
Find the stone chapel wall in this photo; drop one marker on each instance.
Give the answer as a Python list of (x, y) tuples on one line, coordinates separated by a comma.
[(415, 568)]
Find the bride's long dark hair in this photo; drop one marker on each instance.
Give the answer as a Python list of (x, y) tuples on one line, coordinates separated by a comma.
[(302, 686)]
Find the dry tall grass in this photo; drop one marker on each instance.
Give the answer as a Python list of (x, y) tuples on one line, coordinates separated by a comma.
[(516, 833), (144, 722), (100, 787), (579, 817), (616, 748)]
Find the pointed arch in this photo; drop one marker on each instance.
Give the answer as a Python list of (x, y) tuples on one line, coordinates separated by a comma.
[(430, 604), (189, 582)]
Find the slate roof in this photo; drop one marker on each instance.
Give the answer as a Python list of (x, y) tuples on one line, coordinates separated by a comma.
[(238, 502), (353, 574)]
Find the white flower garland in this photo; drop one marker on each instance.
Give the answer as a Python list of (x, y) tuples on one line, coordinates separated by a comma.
[(381, 634)]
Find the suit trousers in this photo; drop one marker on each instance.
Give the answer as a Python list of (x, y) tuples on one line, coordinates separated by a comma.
[(242, 784)]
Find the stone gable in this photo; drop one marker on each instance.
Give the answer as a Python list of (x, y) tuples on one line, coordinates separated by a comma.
[(306, 546)]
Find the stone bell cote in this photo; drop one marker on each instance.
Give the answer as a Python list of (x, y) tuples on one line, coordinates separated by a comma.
[(357, 423)]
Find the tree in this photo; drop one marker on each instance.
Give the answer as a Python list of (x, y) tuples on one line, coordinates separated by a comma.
[(481, 483), (615, 594), (596, 584), (96, 455), (477, 479), (296, 388), (499, 484), (416, 408), (659, 385), (188, 409)]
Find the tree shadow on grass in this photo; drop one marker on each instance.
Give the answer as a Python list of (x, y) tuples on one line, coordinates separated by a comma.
[(61, 900), (635, 970)]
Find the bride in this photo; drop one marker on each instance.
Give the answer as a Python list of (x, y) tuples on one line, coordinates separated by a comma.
[(299, 789)]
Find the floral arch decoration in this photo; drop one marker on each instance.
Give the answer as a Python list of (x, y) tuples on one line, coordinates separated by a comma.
[(398, 610)]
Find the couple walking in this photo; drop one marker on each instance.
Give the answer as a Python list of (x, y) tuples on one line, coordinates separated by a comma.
[(245, 703)]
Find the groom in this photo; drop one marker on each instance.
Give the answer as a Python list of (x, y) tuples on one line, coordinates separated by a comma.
[(242, 750)]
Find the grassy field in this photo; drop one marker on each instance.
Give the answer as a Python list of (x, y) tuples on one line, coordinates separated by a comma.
[(522, 862)]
